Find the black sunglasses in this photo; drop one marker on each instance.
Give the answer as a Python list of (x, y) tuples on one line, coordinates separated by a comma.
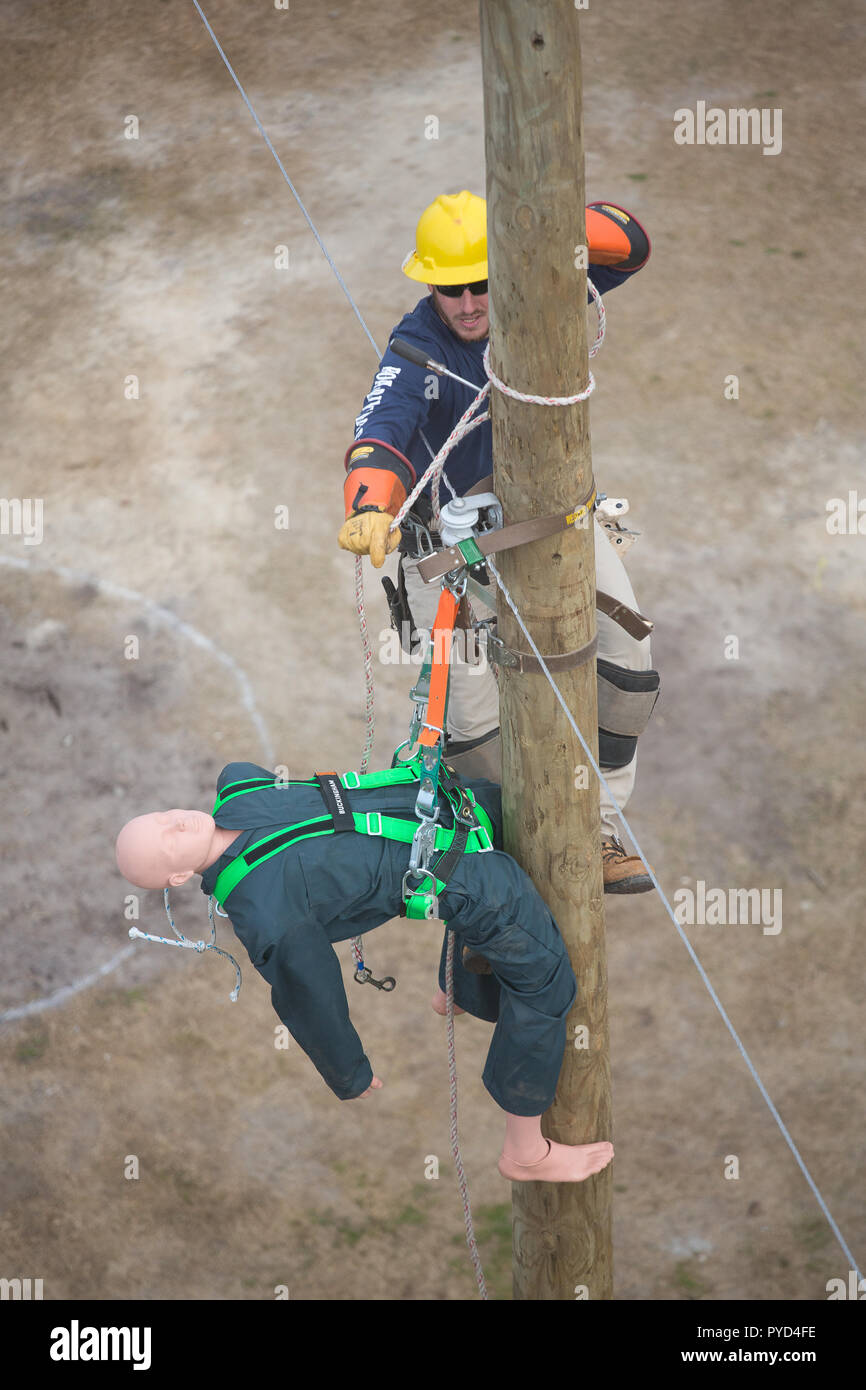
[(455, 291)]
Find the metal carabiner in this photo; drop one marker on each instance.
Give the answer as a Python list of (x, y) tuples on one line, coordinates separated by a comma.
[(387, 984), (423, 847), (364, 976), (455, 581), (424, 546)]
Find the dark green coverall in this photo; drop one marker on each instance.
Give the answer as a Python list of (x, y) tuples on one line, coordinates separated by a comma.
[(290, 909)]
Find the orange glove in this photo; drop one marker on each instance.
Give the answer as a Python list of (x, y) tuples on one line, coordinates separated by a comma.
[(615, 237)]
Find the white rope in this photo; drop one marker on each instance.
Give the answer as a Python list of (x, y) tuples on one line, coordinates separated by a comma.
[(555, 400), (434, 470), (452, 1111), (369, 713), (294, 191), (198, 946)]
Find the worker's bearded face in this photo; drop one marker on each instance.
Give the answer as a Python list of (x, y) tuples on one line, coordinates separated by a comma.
[(165, 848), (466, 316)]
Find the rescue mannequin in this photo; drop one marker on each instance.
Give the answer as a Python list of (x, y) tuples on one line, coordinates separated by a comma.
[(323, 887)]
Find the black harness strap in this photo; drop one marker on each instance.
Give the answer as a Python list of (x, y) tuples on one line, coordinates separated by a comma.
[(256, 853), (336, 800), (464, 821), (447, 863)]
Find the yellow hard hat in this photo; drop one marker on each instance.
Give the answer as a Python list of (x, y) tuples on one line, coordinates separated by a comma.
[(450, 241)]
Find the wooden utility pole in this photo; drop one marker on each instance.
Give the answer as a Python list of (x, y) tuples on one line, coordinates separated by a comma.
[(542, 465)]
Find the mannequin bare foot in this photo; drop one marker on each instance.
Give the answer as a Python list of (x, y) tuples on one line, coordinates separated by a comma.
[(439, 1004), (561, 1163), (375, 1085)]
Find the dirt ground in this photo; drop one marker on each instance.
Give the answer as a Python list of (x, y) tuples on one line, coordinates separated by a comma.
[(153, 258)]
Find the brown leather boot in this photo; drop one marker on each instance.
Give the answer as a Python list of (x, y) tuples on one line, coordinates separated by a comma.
[(623, 873)]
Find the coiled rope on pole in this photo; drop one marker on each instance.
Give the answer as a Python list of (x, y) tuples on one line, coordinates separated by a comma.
[(467, 422)]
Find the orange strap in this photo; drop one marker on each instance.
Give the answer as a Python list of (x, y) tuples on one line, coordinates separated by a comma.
[(443, 628)]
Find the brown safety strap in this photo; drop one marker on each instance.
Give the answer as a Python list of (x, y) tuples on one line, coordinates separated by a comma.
[(492, 542), (526, 662), (486, 485), (632, 622)]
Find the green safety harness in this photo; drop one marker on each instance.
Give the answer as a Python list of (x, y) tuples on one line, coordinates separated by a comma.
[(422, 883), (472, 831)]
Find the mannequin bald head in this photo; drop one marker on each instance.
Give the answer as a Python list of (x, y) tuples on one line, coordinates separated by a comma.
[(165, 848)]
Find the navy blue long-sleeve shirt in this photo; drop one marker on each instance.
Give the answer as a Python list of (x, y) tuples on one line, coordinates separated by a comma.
[(399, 404)]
